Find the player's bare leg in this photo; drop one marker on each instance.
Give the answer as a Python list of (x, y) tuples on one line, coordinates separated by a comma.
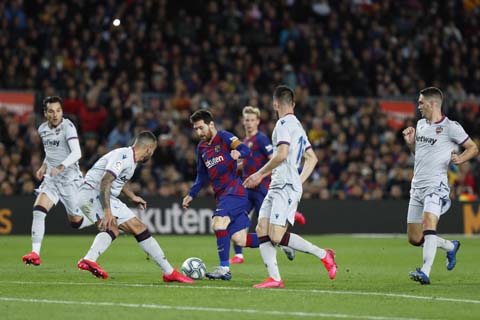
[(238, 258)]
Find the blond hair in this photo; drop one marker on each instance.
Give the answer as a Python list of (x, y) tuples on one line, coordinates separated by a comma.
[(251, 110)]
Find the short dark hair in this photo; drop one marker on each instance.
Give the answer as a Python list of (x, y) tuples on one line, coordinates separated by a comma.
[(51, 99), (145, 138), (201, 114), (432, 92), (284, 95)]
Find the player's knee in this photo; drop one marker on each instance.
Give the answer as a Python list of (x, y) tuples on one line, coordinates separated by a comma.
[(260, 230), (416, 241), (75, 224), (276, 239), (219, 225)]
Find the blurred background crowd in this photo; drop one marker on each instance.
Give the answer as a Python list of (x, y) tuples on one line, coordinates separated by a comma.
[(168, 58)]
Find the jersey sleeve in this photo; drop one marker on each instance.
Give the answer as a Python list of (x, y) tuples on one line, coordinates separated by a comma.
[(70, 131), (235, 143), (116, 164), (202, 177), (283, 135), (308, 145), (265, 145), (456, 133), (75, 153)]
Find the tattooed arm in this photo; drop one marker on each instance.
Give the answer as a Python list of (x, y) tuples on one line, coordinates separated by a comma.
[(108, 220)]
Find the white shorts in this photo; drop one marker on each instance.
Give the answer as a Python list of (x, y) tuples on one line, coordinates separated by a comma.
[(66, 193), (280, 205), (432, 200), (89, 200)]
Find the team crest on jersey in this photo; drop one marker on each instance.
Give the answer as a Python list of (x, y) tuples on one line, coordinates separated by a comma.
[(57, 131), (118, 165), (250, 144), (218, 148), (438, 129)]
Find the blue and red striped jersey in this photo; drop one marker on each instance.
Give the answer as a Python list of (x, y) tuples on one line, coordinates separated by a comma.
[(260, 149), (215, 165)]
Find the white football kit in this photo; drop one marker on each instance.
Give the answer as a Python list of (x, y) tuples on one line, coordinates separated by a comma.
[(121, 164), (61, 146), (285, 191), (434, 144)]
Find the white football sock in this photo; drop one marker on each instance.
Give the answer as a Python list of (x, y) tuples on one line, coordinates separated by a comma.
[(298, 243), (152, 248), (446, 245), (269, 256), (100, 245), (429, 251), (38, 230)]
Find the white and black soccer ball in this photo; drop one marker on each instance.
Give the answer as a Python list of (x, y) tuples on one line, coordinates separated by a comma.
[(194, 268)]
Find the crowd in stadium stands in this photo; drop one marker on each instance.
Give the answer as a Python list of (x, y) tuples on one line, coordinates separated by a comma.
[(223, 55)]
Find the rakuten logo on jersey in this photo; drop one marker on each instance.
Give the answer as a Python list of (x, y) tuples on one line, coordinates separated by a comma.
[(214, 161)]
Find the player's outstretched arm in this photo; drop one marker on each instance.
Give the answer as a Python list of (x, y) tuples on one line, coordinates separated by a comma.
[(471, 150), (278, 157), (309, 164)]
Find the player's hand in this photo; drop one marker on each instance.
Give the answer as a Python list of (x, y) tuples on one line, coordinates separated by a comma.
[(253, 180), (57, 170), (40, 172), (186, 201), (108, 220), (456, 159), (409, 135), (139, 201), (235, 154)]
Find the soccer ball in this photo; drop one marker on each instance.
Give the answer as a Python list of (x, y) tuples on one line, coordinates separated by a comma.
[(194, 268)]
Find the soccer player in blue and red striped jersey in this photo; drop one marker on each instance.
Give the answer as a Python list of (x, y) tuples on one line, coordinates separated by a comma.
[(217, 155), (260, 152)]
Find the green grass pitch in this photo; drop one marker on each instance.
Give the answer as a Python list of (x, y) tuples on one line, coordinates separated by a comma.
[(372, 282)]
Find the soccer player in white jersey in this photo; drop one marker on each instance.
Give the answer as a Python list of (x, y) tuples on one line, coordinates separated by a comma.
[(99, 201), (434, 144), (60, 173), (291, 145)]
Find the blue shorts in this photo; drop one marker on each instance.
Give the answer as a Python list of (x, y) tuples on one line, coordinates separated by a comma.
[(235, 208), (255, 200)]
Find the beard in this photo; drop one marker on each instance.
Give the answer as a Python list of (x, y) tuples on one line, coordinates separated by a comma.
[(208, 136)]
